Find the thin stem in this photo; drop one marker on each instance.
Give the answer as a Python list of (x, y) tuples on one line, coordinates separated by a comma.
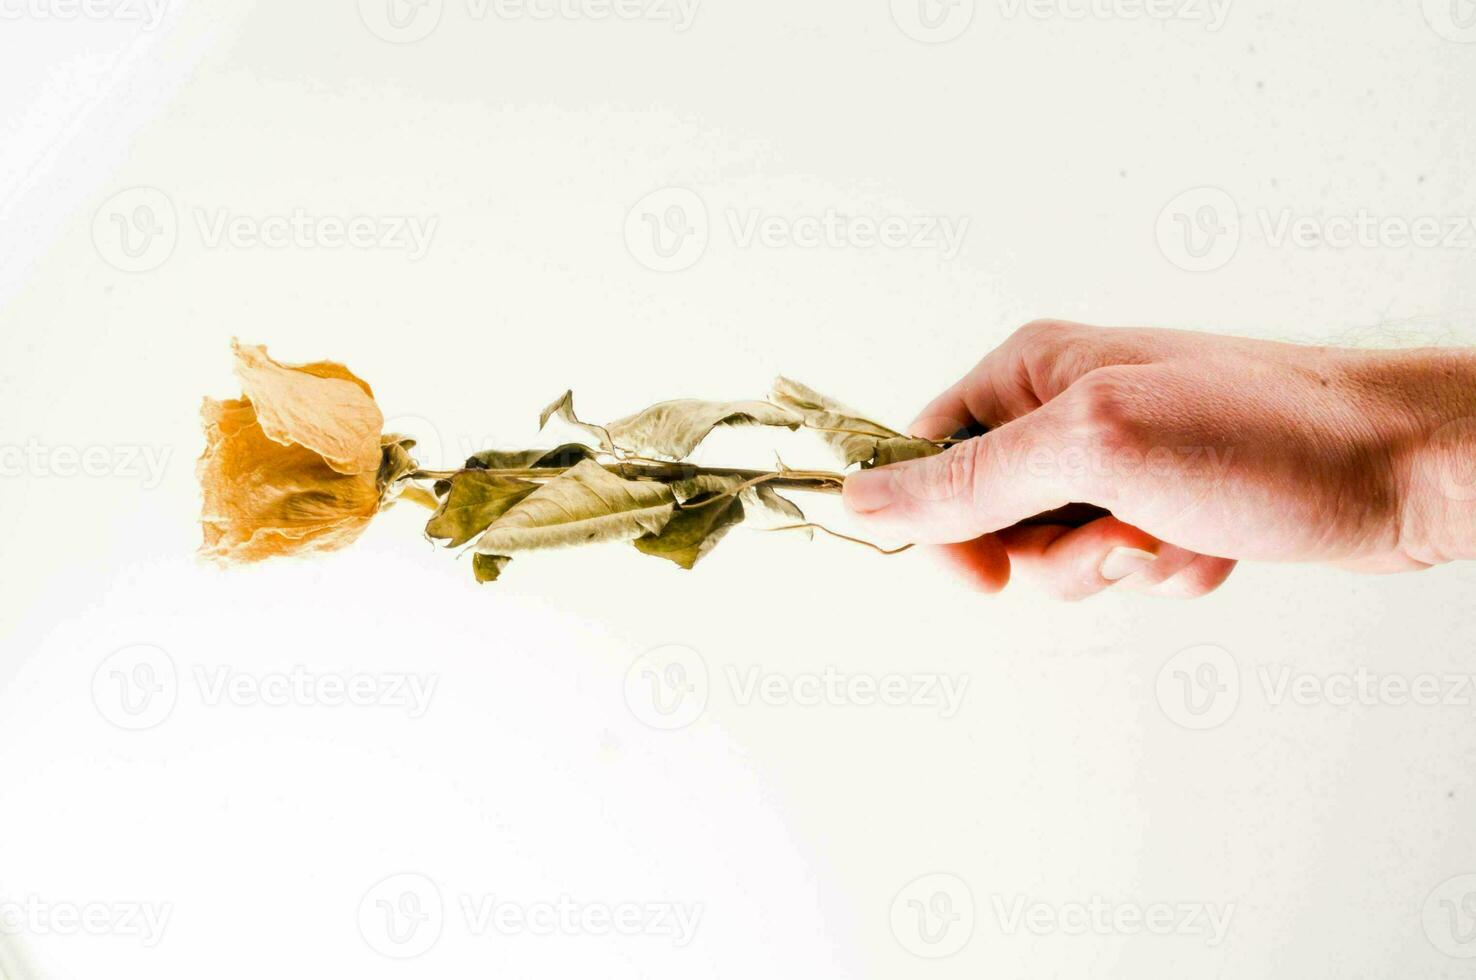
[(844, 537)]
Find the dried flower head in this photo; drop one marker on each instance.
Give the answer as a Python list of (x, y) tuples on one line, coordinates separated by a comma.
[(294, 465)]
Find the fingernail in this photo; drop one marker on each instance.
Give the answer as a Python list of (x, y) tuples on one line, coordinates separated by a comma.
[(1122, 562), (869, 491)]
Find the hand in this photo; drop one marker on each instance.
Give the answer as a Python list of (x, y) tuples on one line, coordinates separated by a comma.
[(1206, 450)]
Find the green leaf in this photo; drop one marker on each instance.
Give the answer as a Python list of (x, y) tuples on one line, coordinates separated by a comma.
[(528, 459), (487, 567), (854, 438), (583, 505), (475, 499), (673, 429), (694, 530), (902, 449), (563, 407)]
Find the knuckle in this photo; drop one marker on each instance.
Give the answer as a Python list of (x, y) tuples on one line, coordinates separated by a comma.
[(1105, 407), (1045, 331)]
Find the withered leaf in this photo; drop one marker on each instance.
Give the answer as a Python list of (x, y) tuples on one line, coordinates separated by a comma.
[(395, 461), (476, 498), (854, 438), (901, 449), (583, 505), (527, 459), (694, 530), (760, 501), (563, 407), (487, 567), (673, 429)]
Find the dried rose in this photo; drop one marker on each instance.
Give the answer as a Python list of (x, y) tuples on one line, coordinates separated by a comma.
[(297, 465)]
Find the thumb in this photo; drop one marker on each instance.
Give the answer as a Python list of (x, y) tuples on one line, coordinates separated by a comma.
[(974, 487)]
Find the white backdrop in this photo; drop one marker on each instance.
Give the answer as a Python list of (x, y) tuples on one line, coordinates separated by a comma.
[(645, 200)]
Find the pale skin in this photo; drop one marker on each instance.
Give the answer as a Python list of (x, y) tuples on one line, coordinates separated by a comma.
[(1207, 451)]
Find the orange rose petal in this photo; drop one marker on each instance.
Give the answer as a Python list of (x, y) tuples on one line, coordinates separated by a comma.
[(321, 407)]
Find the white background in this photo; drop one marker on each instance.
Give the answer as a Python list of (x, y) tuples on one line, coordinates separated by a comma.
[(532, 774)]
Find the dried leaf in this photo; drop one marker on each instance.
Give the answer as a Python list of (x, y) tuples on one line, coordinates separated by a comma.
[(584, 505), (395, 461), (776, 511), (901, 449), (476, 499), (760, 501), (527, 459), (563, 407), (694, 530), (673, 429), (487, 567), (854, 438)]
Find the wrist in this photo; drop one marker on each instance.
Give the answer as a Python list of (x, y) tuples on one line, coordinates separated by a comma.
[(1434, 448)]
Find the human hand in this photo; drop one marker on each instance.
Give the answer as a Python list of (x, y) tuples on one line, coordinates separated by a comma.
[(1205, 449)]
